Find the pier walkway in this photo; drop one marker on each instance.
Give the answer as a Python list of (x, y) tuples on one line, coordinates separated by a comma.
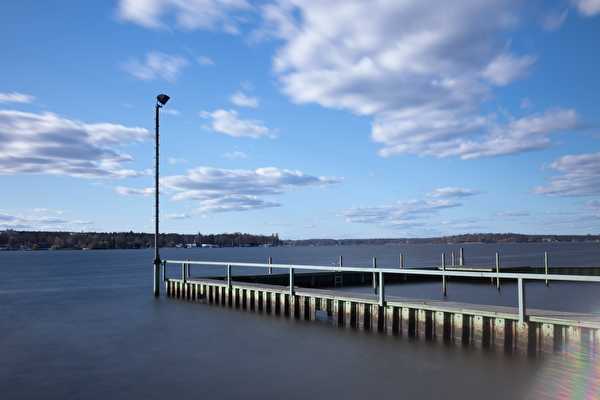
[(311, 296)]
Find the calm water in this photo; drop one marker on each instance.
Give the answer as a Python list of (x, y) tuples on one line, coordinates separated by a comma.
[(85, 325)]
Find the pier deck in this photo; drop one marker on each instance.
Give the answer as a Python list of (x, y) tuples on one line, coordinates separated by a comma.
[(464, 323)]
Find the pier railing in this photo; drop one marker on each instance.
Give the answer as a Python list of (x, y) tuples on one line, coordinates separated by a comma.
[(379, 275)]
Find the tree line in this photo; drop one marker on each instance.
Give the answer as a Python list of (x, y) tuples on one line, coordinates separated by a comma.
[(38, 240)]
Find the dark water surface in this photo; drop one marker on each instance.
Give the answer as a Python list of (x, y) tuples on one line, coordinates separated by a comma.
[(77, 324)]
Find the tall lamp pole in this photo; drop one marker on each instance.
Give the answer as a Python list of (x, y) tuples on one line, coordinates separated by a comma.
[(161, 100)]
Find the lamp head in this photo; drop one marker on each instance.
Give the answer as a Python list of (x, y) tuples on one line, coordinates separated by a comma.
[(162, 99)]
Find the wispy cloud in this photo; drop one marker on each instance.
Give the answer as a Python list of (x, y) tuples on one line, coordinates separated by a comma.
[(206, 61), (16, 97), (579, 175), (224, 15), (229, 123), (46, 143), (40, 219), (513, 214), (242, 100), (507, 68), (171, 111), (223, 190), (403, 215), (156, 65), (177, 216), (129, 191), (452, 192), (554, 19)]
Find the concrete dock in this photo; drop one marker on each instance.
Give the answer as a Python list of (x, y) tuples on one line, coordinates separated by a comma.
[(498, 327)]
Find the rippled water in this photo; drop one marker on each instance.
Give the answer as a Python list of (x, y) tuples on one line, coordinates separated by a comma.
[(85, 325)]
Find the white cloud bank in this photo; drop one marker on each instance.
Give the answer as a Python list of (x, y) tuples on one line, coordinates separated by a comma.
[(45, 143), (422, 71), (222, 190)]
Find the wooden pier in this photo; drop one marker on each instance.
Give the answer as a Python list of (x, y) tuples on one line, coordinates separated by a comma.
[(510, 329)]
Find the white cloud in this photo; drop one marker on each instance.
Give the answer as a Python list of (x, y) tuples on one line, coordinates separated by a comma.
[(506, 68), (46, 143), (229, 123), (439, 135), (224, 15), (128, 191), (452, 192), (235, 155), (177, 216), (579, 176), (242, 100), (513, 214), (588, 8), (221, 190), (204, 60), (420, 70), (171, 111), (39, 219), (157, 65), (402, 215), (16, 97)]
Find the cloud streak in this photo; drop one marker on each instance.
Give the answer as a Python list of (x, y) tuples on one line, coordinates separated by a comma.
[(228, 122), (578, 175), (225, 190), (242, 100), (224, 15), (157, 65), (16, 97)]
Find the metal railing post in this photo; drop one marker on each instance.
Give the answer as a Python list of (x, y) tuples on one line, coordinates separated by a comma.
[(183, 272), (444, 288), (497, 270), (229, 276), (461, 257), (453, 262), (381, 290), (270, 261), (546, 265), (164, 270), (401, 260), (374, 275), (522, 307), (291, 281)]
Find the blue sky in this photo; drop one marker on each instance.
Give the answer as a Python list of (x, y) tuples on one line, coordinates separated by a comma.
[(381, 119)]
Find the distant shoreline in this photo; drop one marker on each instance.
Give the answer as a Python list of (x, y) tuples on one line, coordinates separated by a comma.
[(48, 240)]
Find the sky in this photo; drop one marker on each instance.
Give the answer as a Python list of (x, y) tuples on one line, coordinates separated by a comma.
[(306, 118)]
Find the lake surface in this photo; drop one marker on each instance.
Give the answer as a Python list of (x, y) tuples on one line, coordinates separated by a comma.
[(84, 324)]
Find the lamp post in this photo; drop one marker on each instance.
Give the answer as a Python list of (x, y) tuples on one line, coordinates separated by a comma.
[(161, 100)]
